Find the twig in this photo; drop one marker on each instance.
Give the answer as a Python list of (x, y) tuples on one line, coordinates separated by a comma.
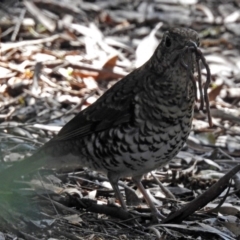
[(18, 25), (214, 191)]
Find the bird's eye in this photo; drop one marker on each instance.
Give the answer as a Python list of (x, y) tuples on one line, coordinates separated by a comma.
[(168, 41)]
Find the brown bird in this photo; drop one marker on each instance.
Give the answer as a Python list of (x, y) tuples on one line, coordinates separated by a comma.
[(136, 126)]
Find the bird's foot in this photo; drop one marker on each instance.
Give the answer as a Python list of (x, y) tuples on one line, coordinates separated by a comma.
[(157, 217)]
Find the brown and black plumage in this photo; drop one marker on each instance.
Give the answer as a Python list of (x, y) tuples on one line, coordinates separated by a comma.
[(136, 126)]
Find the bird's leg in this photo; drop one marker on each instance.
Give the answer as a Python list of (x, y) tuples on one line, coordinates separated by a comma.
[(156, 214), (113, 179), (166, 192)]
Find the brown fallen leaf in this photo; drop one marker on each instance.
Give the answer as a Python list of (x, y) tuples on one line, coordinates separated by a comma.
[(214, 92), (109, 64), (84, 74)]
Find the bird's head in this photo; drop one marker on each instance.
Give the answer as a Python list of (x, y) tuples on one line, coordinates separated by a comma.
[(176, 58)]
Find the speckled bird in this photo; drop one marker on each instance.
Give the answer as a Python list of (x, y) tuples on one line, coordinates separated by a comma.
[(136, 126)]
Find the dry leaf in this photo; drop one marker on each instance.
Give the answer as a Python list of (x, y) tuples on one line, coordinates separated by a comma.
[(214, 92)]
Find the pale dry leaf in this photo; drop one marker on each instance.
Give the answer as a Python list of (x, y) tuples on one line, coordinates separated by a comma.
[(43, 57), (73, 219), (216, 231), (233, 17), (43, 223), (196, 144), (91, 195), (90, 83), (107, 185), (4, 72), (147, 47), (91, 100)]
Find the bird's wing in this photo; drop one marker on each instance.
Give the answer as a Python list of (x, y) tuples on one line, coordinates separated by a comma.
[(114, 107)]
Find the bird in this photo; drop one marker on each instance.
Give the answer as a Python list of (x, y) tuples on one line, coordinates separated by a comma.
[(136, 126)]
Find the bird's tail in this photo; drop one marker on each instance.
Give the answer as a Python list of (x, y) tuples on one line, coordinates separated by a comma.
[(11, 174), (13, 201)]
